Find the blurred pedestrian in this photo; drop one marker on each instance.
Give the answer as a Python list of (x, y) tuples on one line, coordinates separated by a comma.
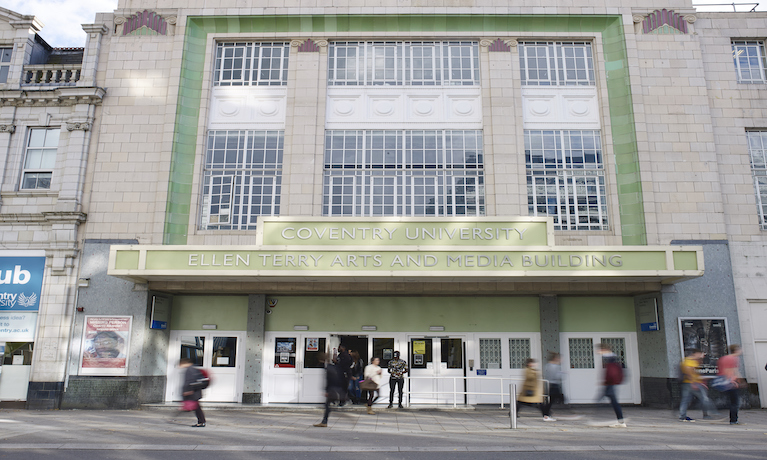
[(191, 390), (692, 385), (344, 363), (612, 376), (729, 368), (553, 374), (373, 374), (335, 386), (397, 371), (531, 392), (358, 365)]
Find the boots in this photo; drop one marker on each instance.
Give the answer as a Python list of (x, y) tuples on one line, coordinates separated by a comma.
[(370, 410)]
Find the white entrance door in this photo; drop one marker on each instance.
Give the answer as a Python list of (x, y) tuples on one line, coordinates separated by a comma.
[(295, 374), (758, 331), (437, 370), (498, 360), (221, 353), (583, 365), (761, 362)]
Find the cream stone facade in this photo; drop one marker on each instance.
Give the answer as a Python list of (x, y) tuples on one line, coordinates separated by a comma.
[(627, 126)]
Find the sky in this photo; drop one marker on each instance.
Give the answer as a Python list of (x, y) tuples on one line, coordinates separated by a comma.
[(62, 18)]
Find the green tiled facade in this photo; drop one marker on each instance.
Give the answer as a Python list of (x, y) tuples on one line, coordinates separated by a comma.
[(615, 59)]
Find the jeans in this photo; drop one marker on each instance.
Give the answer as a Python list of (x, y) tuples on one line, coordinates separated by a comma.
[(400, 383), (610, 394), (734, 397), (327, 410), (699, 391), (200, 415)]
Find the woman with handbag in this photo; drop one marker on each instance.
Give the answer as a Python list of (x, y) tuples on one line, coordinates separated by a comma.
[(372, 382), (192, 390), (532, 391)]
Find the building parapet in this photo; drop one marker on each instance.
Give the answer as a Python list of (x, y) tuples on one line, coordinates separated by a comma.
[(51, 75)]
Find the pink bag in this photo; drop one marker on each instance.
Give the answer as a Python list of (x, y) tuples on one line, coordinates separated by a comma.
[(189, 405)]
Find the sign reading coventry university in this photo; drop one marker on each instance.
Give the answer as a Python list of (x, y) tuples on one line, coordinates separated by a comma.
[(404, 247), (21, 282)]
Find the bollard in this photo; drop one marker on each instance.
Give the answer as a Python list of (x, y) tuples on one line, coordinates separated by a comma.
[(513, 405)]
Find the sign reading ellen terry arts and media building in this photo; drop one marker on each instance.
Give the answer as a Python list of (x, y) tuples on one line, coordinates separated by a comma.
[(404, 247)]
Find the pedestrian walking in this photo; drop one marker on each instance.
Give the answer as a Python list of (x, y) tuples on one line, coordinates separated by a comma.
[(729, 368), (344, 363), (335, 386), (692, 385), (611, 377), (397, 371), (553, 374), (191, 390), (358, 365), (372, 383), (531, 392)]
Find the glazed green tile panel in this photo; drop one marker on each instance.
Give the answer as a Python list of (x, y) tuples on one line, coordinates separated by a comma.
[(190, 91), (127, 260), (228, 313), (596, 314), (405, 314), (687, 260)]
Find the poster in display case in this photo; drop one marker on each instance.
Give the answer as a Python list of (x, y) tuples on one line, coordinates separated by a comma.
[(708, 335), (105, 345)]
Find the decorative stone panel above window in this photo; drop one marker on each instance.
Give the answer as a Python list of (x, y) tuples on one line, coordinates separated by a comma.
[(664, 22)]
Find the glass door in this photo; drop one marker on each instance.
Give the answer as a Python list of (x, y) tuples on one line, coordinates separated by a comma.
[(422, 371), (451, 384), (219, 353), (311, 367)]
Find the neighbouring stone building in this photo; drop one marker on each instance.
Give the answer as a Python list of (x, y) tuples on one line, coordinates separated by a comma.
[(470, 183)]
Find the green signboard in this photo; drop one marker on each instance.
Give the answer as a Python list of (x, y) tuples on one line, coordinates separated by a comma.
[(523, 232)]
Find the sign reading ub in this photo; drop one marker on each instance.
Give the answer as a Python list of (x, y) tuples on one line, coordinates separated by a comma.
[(21, 283)]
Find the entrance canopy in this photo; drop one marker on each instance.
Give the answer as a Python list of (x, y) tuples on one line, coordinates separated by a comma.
[(404, 250)]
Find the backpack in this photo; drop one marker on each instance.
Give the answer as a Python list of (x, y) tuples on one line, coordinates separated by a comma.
[(613, 373), (204, 381)]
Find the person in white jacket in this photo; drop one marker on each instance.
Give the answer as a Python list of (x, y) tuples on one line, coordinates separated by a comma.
[(373, 373)]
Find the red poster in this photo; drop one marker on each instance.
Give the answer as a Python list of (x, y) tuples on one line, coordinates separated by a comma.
[(105, 345)]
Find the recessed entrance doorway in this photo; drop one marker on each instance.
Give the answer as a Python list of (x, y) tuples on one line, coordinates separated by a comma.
[(220, 352)]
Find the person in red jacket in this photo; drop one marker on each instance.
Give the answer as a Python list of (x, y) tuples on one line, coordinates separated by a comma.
[(729, 368), (613, 376)]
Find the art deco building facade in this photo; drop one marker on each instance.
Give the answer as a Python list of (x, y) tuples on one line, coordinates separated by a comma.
[(472, 184)]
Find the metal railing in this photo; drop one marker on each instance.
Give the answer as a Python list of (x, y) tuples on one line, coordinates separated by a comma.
[(733, 5), (503, 383), (51, 75)]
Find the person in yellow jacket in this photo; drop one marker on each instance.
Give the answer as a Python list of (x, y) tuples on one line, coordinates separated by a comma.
[(692, 385), (531, 392)]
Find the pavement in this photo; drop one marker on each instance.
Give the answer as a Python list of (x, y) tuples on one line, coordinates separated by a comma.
[(289, 428)]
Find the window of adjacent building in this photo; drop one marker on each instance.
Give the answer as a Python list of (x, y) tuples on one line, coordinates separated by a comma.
[(403, 173), (566, 179), (403, 63), (40, 158), (5, 63), (242, 178), (556, 63), (757, 148), (749, 58), (251, 64)]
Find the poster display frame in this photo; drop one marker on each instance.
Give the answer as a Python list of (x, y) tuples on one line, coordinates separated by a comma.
[(93, 325), (708, 365)]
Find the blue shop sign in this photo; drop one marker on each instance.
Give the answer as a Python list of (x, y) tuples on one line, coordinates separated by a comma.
[(21, 283)]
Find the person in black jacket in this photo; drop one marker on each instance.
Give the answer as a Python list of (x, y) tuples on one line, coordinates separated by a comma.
[(335, 387), (344, 363), (191, 390)]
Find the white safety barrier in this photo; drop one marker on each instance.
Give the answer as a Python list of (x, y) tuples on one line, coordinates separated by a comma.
[(502, 382)]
